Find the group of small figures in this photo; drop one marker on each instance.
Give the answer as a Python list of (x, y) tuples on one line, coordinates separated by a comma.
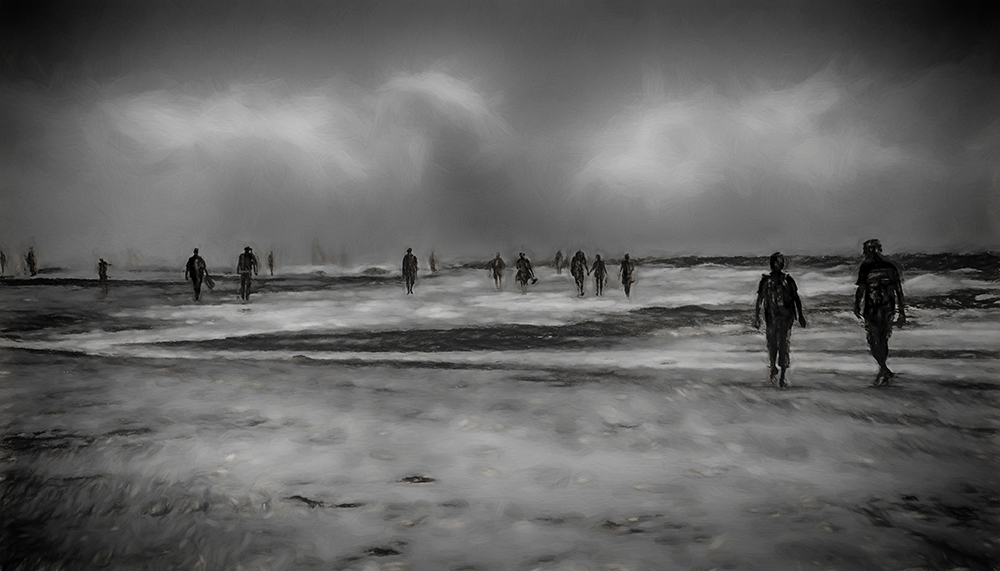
[(578, 267), (196, 270), (878, 300)]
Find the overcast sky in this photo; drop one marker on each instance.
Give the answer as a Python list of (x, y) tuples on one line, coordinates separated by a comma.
[(472, 127)]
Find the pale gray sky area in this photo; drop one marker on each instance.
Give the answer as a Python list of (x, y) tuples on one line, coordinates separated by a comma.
[(470, 127)]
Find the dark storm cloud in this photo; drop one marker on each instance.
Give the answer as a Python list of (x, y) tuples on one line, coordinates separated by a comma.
[(663, 127)]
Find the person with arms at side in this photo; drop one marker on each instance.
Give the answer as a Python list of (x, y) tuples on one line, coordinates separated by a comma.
[(102, 275), (778, 296), (879, 302), (409, 270), (626, 274), (496, 268), (246, 263), (197, 271), (32, 261)]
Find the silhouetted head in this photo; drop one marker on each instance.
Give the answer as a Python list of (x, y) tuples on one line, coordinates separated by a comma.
[(409, 250), (498, 254), (196, 250), (102, 259), (521, 254), (579, 252), (626, 256), (777, 262), (598, 256), (247, 249), (872, 248)]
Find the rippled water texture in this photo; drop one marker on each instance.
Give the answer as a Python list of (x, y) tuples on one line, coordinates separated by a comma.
[(335, 423)]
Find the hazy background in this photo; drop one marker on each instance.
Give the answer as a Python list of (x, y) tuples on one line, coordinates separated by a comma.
[(366, 127)]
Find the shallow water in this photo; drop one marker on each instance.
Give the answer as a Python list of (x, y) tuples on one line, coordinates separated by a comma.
[(345, 425)]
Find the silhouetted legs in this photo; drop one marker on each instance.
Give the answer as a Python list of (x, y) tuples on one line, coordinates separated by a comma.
[(245, 287), (579, 283), (779, 336), (196, 282), (878, 327)]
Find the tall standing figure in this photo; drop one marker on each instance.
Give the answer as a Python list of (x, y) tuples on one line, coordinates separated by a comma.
[(559, 262), (32, 261), (578, 267), (524, 272), (626, 274), (197, 272), (496, 268), (432, 262), (779, 297), (270, 262), (246, 263), (102, 274), (600, 271), (879, 301), (3, 263), (409, 270)]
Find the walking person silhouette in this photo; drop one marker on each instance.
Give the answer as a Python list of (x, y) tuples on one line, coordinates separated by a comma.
[(778, 295), (879, 302)]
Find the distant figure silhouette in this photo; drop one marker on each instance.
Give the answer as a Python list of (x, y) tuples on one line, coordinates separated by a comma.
[(3, 263), (626, 274), (578, 267), (409, 270), (102, 274), (270, 262), (246, 263), (496, 268), (559, 261), (600, 272), (197, 272), (878, 300), (432, 262), (779, 296), (32, 261), (524, 272)]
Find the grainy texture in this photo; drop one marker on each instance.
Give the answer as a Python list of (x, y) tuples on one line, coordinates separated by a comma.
[(346, 425)]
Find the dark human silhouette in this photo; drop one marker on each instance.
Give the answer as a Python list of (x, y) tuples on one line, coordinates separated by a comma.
[(879, 301), (778, 295), (409, 270), (600, 272), (559, 262), (197, 272), (270, 262), (102, 274), (32, 261), (626, 274), (496, 268), (524, 272), (3, 263), (245, 264), (578, 267), (432, 262)]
